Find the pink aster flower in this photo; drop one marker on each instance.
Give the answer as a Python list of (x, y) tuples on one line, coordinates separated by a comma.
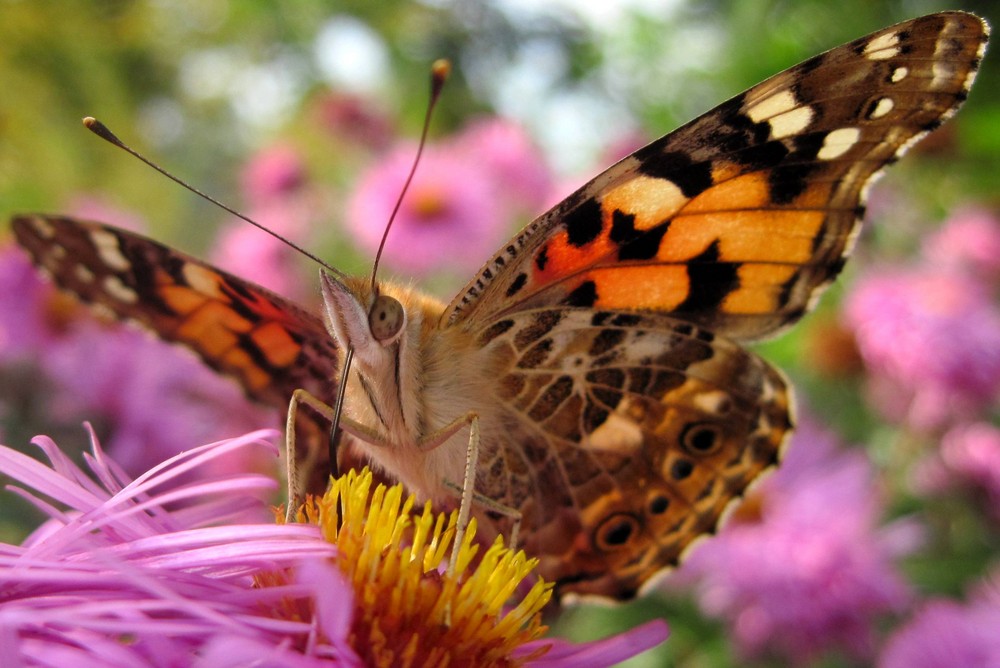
[(462, 203), (969, 458), (810, 570), (969, 241), (517, 166), (146, 572), (26, 323), (275, 184), (273, 172), (450, 218), (947, 634), (931, 340), (127, 574), (246, 251), (155, 396)]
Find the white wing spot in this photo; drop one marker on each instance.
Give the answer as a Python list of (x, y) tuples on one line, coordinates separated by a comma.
[(969, 78), (114, 287), (883, 47), (43, 227), (791, 122), (711, 402), (107, 247), (771, 106), (944, 72), (618, 434), (899, 74), (909, 143), (882, 107), (944, 69), (838, 142), (83, 274), (783, 113), (202, 280)]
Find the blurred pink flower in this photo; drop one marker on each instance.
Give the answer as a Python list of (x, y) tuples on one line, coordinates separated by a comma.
[(25, 323), (969, 459), (156, 397), (275, 185), (947, 634), (245, 251), (970, 241), (276, 171), (518, 168), (931, 340), (132, 575), (355, 119), (463, 202), (814, 571), (450, 219)]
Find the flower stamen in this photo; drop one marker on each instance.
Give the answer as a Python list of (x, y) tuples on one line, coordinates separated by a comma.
[(410, 608)]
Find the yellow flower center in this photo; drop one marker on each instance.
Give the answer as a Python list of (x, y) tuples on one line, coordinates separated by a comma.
[(408, 610), (428, 203)]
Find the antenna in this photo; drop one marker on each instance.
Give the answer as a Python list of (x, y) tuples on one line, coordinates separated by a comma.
[(102, 131), (439, 74)]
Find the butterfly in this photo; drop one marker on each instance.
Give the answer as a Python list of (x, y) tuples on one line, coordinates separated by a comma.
[(599, 352)]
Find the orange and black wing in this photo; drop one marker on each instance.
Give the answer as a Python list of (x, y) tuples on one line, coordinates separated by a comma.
[(270, 345), (737, 220)]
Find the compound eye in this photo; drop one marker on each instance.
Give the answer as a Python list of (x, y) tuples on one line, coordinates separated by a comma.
[(386, 318)]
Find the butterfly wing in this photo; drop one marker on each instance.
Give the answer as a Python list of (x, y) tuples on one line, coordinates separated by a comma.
[(737, 220), (268, 344), (629, 419), (624, 437)]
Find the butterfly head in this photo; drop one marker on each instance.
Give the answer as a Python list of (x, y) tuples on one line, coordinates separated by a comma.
[(366, 319), (382, 325)]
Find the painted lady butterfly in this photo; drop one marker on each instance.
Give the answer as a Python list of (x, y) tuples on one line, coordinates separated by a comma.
[(598, 350)]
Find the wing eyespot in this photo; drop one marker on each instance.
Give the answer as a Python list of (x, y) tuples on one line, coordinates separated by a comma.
[(681, 469), (702, 438), (616, 531), (657, 504)]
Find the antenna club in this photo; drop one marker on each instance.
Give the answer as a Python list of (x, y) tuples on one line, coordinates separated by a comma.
[(440, 71), (102, 131)]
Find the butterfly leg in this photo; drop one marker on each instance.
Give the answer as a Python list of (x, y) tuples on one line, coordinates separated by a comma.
[(492, 506), (437, 438), (468, 489), (295, 491), (296, 483)]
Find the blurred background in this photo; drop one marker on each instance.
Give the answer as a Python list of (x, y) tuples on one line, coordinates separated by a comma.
[(875, 544)]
